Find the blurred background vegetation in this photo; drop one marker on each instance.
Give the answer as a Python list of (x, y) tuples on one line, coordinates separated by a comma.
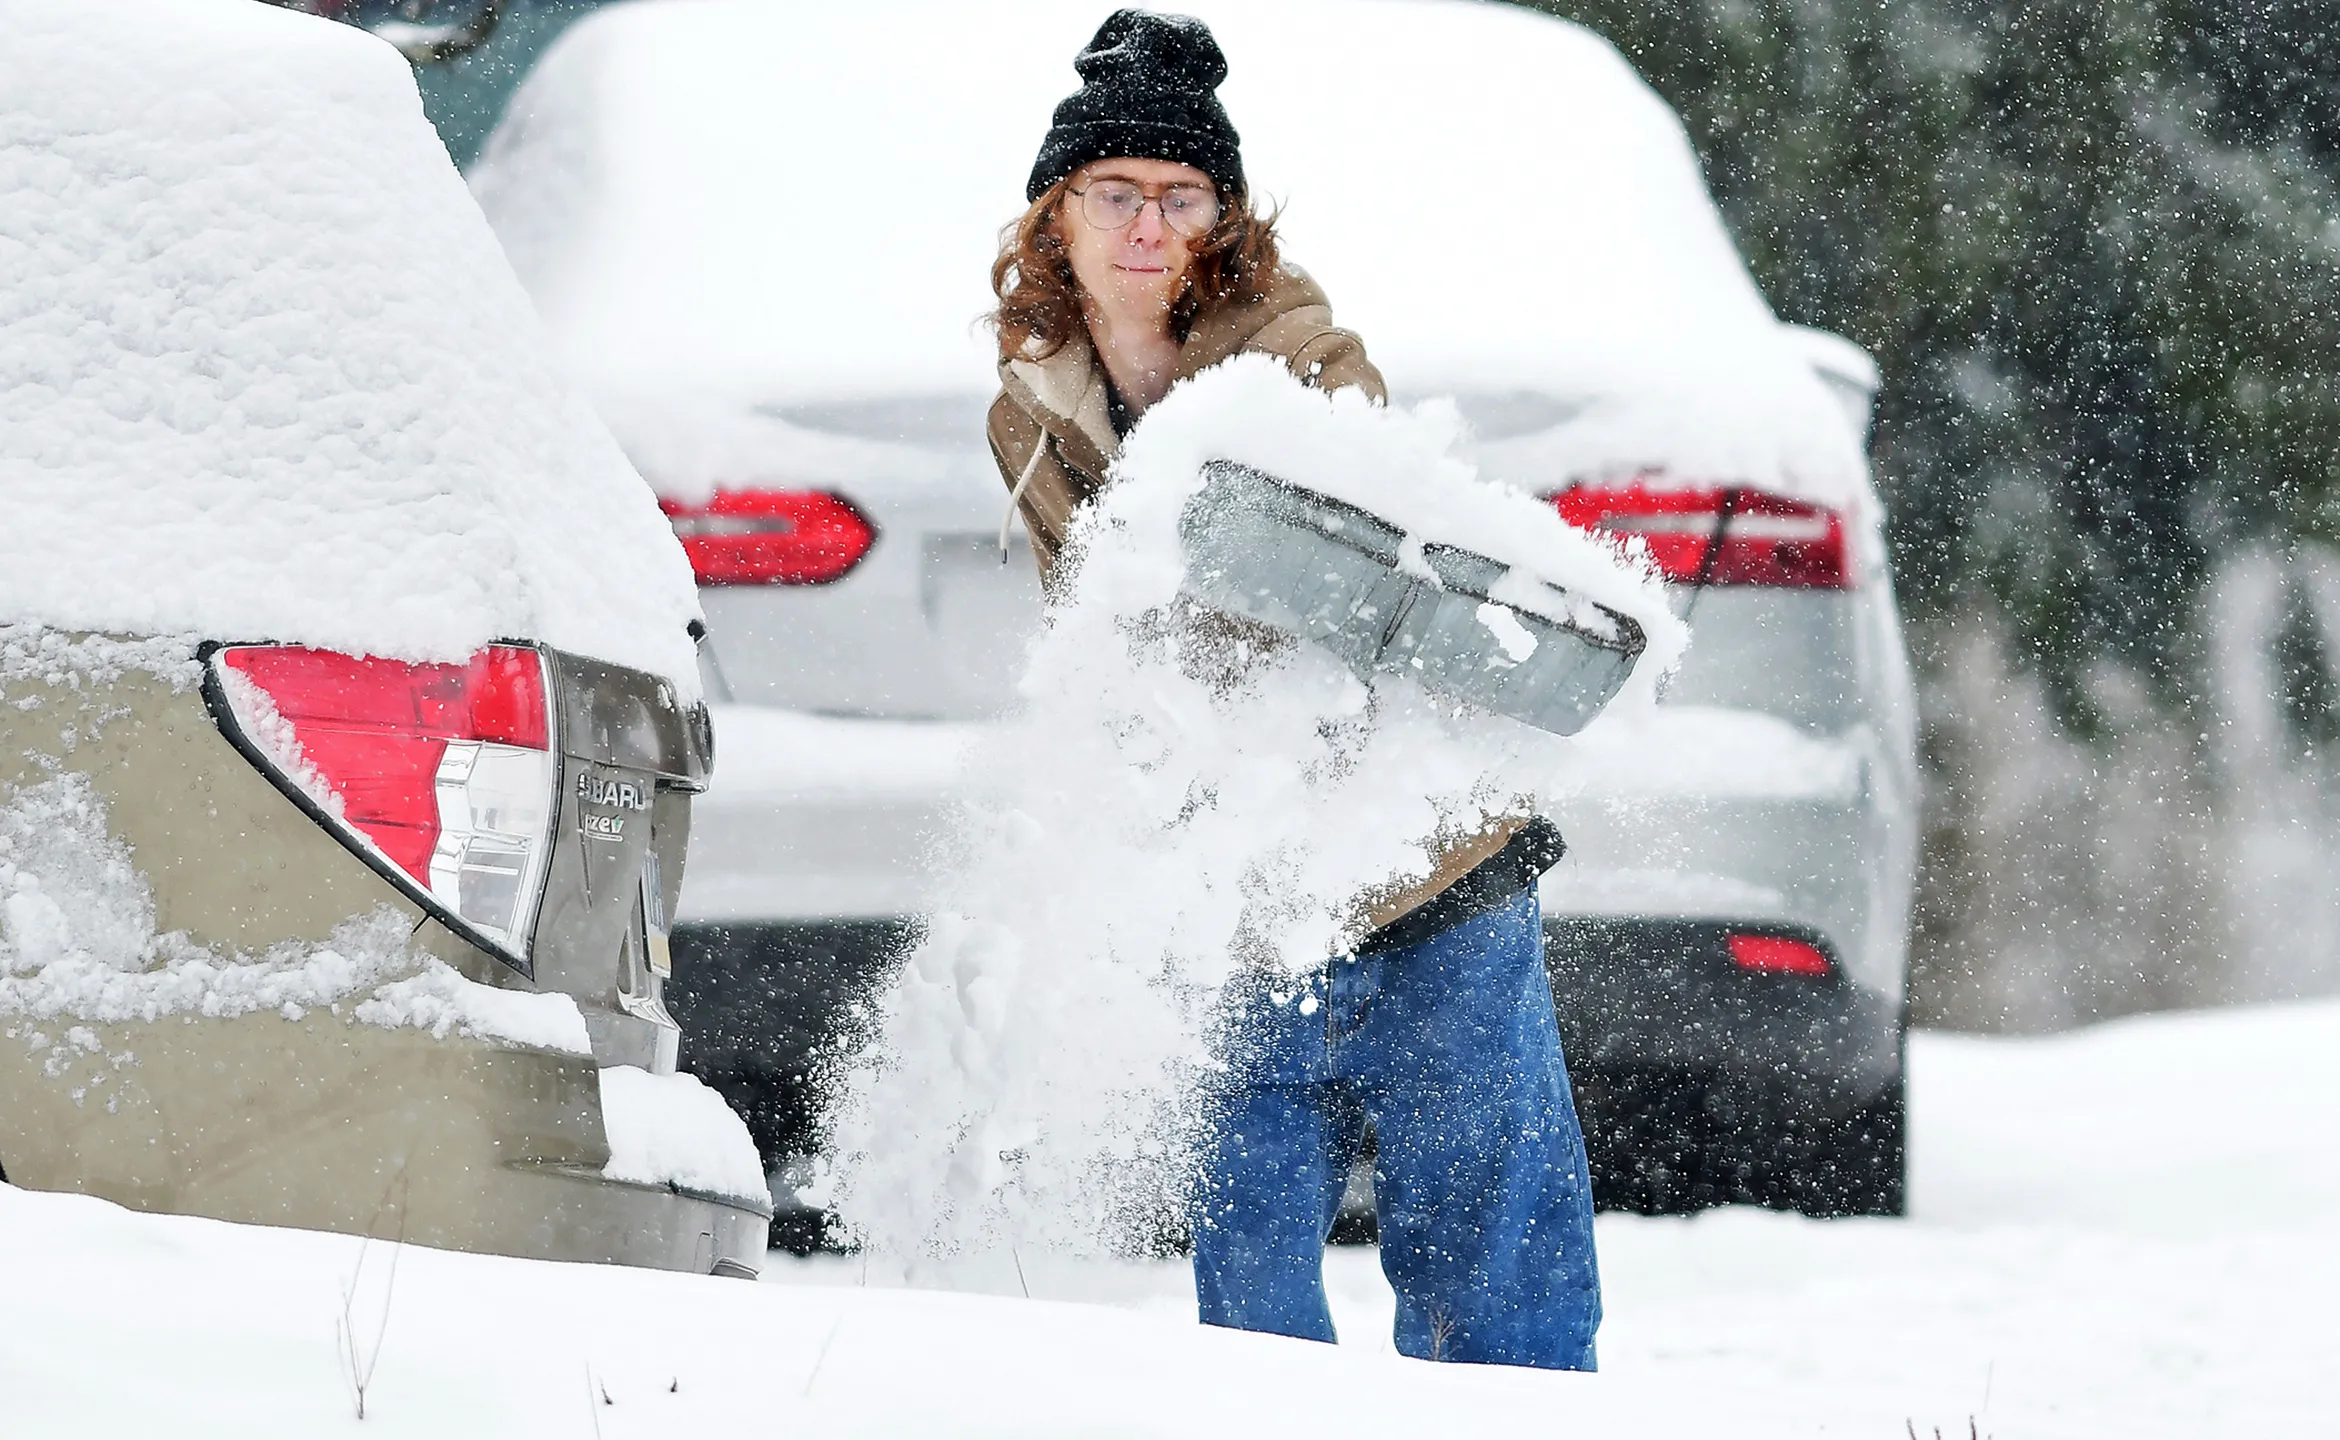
[(2096, 249), (2095, 245)]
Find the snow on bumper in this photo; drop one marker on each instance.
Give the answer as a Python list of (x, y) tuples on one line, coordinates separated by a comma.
[(671, 1130), (328, 1123)]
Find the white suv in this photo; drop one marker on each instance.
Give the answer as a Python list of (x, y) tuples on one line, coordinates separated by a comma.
[(761, 237)]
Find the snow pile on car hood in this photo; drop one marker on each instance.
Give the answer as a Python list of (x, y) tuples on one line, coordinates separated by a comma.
[(78, 947), (264, 372), (1171, 806), (1501, 207)]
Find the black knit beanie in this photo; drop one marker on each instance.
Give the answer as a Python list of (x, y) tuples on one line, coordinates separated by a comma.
[(1146, 94)]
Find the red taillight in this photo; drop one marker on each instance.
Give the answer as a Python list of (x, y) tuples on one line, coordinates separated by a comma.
[(1779, 955), (1766, 540), (445, 772), (504, 689), (771, 537)]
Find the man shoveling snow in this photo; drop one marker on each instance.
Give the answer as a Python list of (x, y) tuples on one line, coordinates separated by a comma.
[(1124, 997)]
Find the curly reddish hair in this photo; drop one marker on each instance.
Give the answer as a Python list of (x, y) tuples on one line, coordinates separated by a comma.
[(1040, 302)]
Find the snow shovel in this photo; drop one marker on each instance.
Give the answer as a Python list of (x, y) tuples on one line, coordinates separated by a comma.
[(1329, 572)]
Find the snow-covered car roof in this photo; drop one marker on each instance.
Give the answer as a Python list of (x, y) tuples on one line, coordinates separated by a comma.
[(781, 205), (264, 372)]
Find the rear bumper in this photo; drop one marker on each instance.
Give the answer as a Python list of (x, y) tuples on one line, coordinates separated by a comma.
[(1698, 1084), (1640, 997), (326, 1123)]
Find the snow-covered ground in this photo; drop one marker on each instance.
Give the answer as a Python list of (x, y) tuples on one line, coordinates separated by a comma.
[(2132, 1231)]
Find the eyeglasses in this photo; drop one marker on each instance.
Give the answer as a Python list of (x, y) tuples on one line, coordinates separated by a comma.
[(1191, 210)]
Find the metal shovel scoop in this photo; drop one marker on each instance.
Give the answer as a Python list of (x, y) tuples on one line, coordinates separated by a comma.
[(1328, 571)]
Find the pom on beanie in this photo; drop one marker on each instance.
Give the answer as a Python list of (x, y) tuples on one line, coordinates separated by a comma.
[(1148, 92)]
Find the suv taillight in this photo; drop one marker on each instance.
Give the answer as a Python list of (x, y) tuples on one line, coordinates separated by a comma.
[(1766, 540), (771, 537), (442, 776), (1780, 955)]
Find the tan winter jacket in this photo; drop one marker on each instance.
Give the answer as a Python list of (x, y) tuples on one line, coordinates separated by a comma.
[(1062, 398), (1052, 435)]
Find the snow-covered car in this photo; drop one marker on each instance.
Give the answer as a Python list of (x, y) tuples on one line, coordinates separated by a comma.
[(1729, 937), (349, 709), (785, 335)]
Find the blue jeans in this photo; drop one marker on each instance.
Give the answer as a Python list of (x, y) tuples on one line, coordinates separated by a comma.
[(1448, 1047)]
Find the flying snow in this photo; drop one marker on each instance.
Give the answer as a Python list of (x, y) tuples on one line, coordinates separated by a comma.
[(1175, 801)]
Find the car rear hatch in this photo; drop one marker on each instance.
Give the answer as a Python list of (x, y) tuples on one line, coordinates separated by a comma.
[(1776, 780)]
